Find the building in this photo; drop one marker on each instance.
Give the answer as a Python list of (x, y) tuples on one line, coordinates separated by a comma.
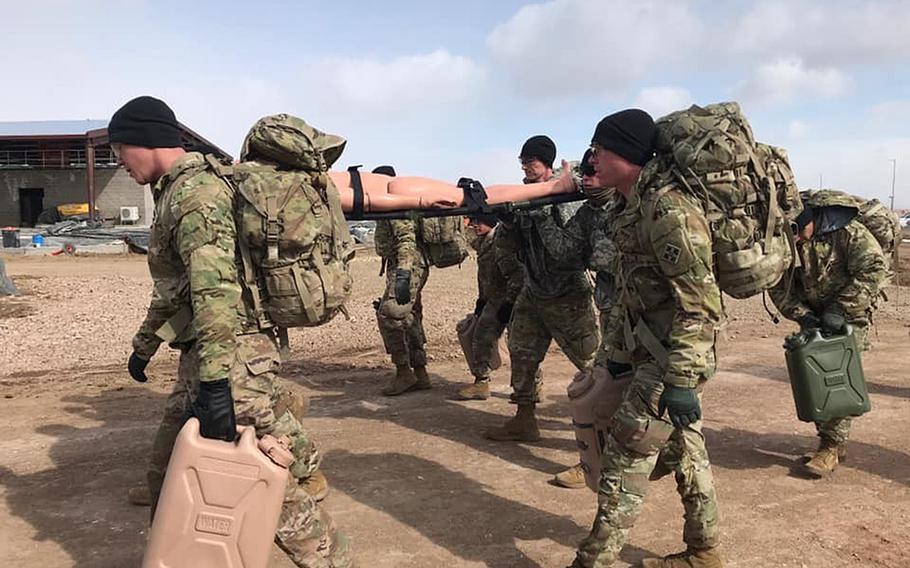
[(49, 163)]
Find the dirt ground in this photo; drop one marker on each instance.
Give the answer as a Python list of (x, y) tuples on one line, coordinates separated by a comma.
[(414, 482)]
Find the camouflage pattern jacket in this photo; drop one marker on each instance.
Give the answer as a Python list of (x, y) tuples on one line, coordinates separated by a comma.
[(586, 240), (842, 264), (194, 265), (546, 276), (500, 276), (669, 301), (403, 244)]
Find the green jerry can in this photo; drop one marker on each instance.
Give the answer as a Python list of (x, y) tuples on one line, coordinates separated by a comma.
[(826, 374)]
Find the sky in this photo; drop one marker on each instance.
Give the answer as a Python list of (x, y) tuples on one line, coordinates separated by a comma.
[(452, 89)]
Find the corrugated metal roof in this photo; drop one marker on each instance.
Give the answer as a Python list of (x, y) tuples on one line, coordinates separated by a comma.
[(50, 127)]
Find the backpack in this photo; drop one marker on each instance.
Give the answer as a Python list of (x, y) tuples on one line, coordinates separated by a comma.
[(294, 242), (746, 188), (440, 238), (883, 223), (444, 240)]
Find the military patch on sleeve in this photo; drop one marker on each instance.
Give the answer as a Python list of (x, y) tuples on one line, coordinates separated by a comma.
[(671, 253)]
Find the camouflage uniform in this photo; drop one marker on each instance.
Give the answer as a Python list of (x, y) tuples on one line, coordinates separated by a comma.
[(668, 308), (499, 281), (401, 326), (199, 307), (555, 303), (843, 264)]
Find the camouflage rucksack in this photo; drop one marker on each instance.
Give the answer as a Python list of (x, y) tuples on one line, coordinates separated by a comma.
[(883, 223), (293, 238), (440, 238), (444, 240), (746, 188)]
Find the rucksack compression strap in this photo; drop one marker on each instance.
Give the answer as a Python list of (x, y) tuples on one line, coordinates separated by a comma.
[(357, 186)]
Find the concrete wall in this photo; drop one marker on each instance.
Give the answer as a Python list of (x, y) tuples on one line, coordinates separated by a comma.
[(114, 188)]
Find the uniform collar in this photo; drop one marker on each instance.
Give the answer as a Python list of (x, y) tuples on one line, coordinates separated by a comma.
[(180, 165)]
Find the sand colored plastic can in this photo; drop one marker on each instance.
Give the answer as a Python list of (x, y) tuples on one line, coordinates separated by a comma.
[(220, 503), (594, 396)]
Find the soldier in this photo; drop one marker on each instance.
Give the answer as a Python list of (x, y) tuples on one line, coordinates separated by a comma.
[(500, 278), (555, 303), (841, 274), (227, 363), (399, 313), (669, 306)]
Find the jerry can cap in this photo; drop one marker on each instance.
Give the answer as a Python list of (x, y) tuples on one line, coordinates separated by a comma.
[(277, 450)]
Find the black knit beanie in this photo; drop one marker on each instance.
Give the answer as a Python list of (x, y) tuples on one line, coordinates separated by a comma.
[(629, 133), (541, 148), (488, 219), (585, 167), (145, 121), (384, 170)]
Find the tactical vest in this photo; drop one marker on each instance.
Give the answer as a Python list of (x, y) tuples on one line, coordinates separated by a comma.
[(294, 242), (441, 239), (746, 188)]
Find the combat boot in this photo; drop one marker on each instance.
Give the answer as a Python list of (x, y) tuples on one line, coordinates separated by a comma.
[(480, 390), (316, 485), (423, 378), (403, 381), (139, 496), (572, 478), (691, 558), (521, 428), (825, 459)]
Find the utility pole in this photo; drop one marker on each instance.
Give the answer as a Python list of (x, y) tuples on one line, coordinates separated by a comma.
[(820, 186), (893, 178)]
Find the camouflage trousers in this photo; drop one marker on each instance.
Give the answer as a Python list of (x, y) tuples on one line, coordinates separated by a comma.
[(487, 331), (638, 436), (569, 319), (401, 326), (837, 430), (305, 532)]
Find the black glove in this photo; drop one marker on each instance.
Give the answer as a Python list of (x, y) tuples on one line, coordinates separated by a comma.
[(809, 321), (402, 286), (616, 369), (833, 319), (504, 313), (798, 339), (681, 403), (478, 306), (137, 367), (214, 407), (376, 303)]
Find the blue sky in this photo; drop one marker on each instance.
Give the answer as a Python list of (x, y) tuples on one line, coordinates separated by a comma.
[(448, 89)]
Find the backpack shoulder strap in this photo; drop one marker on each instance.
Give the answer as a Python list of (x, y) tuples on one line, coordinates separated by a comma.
[(357, 186)]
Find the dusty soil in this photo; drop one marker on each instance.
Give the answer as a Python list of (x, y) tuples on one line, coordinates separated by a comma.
[(414, 482)]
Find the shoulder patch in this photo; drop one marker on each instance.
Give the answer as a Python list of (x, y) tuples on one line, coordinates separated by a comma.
[(671, 253)]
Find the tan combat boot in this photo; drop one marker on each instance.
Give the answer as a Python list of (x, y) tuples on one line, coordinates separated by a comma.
[(139, 496), (423, 378), (572, 478), (521, 428), (691, 558), (316, 485), (403, 381), (478, 391), (825, 459)]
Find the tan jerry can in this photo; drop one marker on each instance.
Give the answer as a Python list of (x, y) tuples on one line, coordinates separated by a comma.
[(220, 502), (465, 329), (594, 396)]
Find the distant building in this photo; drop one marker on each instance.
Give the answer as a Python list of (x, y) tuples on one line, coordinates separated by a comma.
[(50, 163)]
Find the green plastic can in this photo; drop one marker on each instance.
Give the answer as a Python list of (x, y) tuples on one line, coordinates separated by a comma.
[(826, 374)]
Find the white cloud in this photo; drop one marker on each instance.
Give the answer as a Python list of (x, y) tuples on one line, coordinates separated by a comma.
[(400, 85), (797, 129), (785, 80), (659, 101), (891, 113), (855, 165), (830, 32), (570, 47)]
